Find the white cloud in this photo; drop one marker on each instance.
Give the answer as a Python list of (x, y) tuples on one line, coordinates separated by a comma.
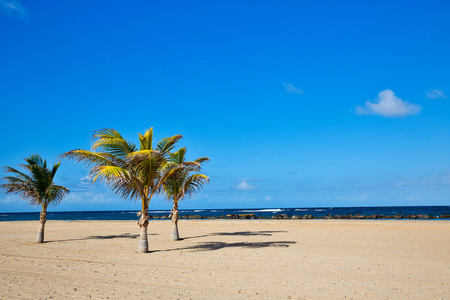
[(290, 88), (409, 182), (11, 199), (436, 94), (13, 8), (388, 105), (360, 197), (84, 185), (201, 196), (442, 178), (243, 200), (268, 198), (413, 197), (86, 197), (245, 186)]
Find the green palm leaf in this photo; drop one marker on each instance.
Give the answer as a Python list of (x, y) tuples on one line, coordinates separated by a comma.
[(37, 187)]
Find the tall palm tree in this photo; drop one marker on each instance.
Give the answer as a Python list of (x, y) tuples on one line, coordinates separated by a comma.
[(182, 183), (131, 172), (37, 187)]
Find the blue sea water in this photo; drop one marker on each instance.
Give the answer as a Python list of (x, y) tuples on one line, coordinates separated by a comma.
[(263, 212)]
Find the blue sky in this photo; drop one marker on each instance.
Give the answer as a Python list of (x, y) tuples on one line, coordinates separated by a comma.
[(297, 104)]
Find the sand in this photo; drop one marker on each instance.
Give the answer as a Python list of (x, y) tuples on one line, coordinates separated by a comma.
[(228, 259)]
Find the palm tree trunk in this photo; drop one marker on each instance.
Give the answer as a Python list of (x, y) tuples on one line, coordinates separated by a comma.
[(43, 219), (175, 216), (143, 223)]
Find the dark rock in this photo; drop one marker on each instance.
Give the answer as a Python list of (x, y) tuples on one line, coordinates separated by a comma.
[(296, 217), (374, 216), (423, 217), (246, 216), (195, 217), (444, 216)]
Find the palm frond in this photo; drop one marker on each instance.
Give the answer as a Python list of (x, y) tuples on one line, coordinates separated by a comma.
[(55, 169), (164, 175), (193, 184), (129, 171), (202, 160), (146, 140), (107, 133), (36, 160), (18, 173), (37, 187), (88, 157), (110, 173), (55, 194), (167, 144), (118, 179), (114, 146), (179, 156)]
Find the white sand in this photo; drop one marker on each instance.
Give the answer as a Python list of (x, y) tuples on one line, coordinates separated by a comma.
[(228, 259)]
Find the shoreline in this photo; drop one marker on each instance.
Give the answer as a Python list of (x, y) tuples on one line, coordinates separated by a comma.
[(239, 259)]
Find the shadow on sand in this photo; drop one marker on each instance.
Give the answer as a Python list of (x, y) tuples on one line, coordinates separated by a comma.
[(204, 246), (237, 233), (102, 237), (211, 246)]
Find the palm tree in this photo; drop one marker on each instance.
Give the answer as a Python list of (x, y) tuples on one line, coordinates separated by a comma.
[(131, 172), (37, 187), (181, 183)]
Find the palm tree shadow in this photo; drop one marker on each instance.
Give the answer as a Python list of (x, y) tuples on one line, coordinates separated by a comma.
[(237, 233), (102, 237), (211, 246), (250, 233)]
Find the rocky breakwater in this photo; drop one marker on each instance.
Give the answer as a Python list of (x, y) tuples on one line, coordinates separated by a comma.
[(307, 217)]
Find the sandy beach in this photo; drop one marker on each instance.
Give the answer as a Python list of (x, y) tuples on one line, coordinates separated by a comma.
[(228, 259)]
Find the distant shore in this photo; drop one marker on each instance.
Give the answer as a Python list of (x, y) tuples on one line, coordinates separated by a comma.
[(234, 259)]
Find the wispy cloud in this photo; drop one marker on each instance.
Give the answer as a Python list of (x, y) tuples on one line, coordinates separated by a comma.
[(360, 197), (86, 198), (413, 198), (388, 105), (441, 178), (11, 199), (290, 88), (436, 94), (84, 185), (243, 200), (245, 186), (13, 8), (268, 198)]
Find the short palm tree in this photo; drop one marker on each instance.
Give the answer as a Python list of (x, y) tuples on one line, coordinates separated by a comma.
[(182, 183), (131, 172), (37, 187)]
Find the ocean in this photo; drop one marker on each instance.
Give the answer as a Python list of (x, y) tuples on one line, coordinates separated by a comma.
[(317, 212)]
